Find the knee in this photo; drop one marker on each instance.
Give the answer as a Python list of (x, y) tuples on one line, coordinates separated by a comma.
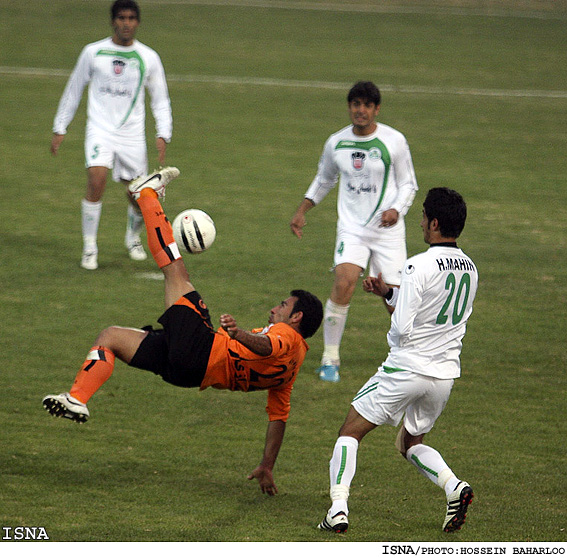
[(346, 278), (95, 187), (343, 289), (106, 337), (344, 284), (405, 441)]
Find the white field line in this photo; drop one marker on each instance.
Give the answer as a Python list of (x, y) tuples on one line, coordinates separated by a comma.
[(273, 82), (369, 8)]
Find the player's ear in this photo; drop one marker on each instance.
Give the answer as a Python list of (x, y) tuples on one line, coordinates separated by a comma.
[(296, 317)]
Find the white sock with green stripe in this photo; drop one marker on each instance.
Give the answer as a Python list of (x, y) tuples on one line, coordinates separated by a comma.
[(342, 468), (334, 323), (90, 219), (431, 465), (134, 225)]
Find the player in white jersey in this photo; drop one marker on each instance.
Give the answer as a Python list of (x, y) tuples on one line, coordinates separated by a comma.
[(432, 306), (118, 70), (377, 186)]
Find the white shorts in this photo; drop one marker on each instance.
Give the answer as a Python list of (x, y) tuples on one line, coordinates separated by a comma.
[(383, 252), (127, 157), (388, 395)]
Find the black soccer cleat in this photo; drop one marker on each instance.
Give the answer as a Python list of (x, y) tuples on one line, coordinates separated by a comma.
[(457, 504), (338, 523)]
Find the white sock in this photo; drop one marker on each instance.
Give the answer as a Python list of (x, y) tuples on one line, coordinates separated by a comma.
[(431, 465), (342, 468), (134, 225), (334, 323), (90, 218)]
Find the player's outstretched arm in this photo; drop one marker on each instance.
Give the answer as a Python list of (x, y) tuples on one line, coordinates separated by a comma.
[(274, 439), (256, 342)]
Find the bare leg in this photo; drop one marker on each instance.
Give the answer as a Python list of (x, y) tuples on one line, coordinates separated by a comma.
[(177, 282), (122, 341), (346, 277), (96, 183), (113, 342)]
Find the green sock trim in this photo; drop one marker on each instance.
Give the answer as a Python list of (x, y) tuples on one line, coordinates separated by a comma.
[(422, 466), (343, 464)]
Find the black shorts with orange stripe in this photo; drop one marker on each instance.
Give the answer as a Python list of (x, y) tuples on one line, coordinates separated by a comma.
[(179, 352)]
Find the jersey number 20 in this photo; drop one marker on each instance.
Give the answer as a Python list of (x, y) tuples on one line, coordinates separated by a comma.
[(460, 297)]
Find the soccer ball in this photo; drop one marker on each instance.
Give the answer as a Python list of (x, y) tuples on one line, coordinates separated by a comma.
[(194, 230)]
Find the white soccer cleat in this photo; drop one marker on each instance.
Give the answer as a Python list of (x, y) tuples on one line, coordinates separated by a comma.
[(89, 260), (338, 523), (157, 181), (65, 406), (457, 504), (136, 251)]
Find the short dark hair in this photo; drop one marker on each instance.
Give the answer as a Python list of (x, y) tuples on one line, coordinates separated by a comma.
[(365, 90), (449, 208), (120, 5), (312, 310)]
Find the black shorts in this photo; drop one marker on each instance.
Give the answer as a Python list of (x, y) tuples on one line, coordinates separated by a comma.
[(179, 352)]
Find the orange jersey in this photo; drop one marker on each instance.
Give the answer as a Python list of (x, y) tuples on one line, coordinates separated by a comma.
[(234, 367)]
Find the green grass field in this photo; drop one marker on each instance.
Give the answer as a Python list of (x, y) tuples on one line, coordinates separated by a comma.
[(479, 89)]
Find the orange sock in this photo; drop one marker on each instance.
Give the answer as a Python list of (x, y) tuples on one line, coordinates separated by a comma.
[(161, 243), (96, 369)]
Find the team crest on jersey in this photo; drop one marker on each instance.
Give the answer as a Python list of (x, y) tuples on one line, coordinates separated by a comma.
[(375, 153), (118, 66), (358, 159)]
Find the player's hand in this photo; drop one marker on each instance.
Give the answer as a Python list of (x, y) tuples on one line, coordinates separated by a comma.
[(228, 323), (375, 285), (161, 146), (389, 218), (56, 141), (297, 224), (266, 480)]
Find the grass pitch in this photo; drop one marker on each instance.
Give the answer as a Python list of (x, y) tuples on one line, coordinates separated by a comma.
[(480, 92)]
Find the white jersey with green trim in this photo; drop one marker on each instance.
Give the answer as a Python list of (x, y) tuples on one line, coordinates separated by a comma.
[(434, 302), (376, 173), (117, 77)]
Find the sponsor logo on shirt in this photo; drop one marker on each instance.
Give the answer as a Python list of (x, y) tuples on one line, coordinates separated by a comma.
[(362, 188), (115, 92)]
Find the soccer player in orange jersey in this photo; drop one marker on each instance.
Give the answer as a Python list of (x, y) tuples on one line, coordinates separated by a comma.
[(188, 351)]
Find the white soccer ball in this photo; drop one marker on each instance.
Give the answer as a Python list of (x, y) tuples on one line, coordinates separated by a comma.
[(194, 230)]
